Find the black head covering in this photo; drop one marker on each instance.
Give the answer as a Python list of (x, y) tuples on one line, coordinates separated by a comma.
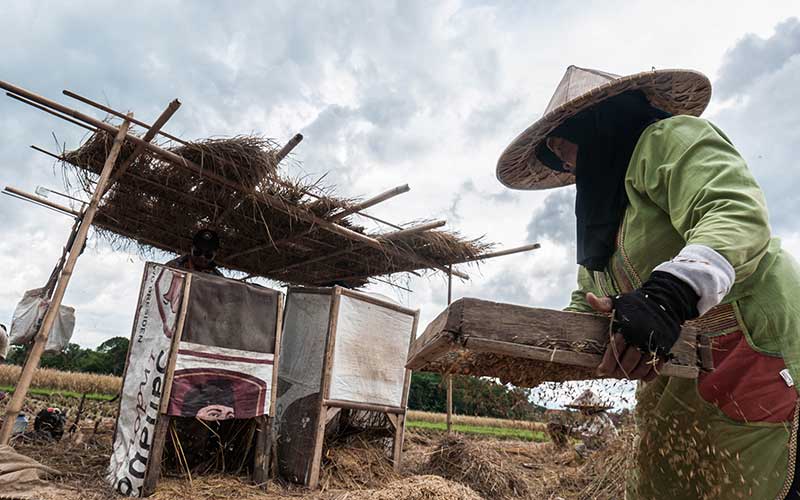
[(606, 135), (206, 239)]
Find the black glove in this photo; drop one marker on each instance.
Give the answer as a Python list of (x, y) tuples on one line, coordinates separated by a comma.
[(650, 317)]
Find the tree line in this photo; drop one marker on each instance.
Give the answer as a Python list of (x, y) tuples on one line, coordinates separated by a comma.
[(472, 396), (107, 359)]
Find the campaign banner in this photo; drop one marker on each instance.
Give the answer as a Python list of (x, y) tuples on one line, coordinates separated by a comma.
[(217, 383), (140, 401)]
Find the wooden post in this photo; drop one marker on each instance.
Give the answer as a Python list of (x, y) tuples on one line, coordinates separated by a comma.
[(153, 470), (449, 377), (327, 366), (449, 403), (265, 438), (400, 424), (21, 389), (263, 451)]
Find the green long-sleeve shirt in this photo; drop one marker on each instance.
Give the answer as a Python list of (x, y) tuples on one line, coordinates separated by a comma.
[(687, 184)]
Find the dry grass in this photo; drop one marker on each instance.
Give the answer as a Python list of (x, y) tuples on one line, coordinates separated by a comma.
[(501, 423), (415, 488), (57, 380), (358, 464), (486, 470)]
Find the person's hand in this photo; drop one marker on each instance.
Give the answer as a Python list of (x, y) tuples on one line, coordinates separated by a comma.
[(620, 359)]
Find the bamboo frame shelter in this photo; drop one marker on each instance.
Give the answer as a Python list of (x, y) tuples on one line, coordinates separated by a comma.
[(284, 229)]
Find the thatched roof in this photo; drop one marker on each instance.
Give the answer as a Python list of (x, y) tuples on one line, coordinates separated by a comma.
[(156, 203)]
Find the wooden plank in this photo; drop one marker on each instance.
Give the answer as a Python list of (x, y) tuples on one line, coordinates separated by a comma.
[(579, 339), (561, 356), (175, 344), (319, 441), (153, 469), (276, 357), (265, 438), (407, 378), (327, 366)]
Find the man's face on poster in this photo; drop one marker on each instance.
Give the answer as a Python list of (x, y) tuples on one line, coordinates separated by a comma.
[(215, 413)]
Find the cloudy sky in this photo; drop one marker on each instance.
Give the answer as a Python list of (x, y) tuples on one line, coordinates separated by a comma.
[(385, 93)]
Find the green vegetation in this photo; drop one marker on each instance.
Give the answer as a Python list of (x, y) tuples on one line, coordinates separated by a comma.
[(495, 432), (107, 359), (57, 392)]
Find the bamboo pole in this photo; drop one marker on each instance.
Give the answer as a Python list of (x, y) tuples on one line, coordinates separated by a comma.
[(32, 362), (501, 253), (118, 114), (288, 147), (42, 201), (172, 107), (46, 110), (391, 193), (388, 236), (449, 403)]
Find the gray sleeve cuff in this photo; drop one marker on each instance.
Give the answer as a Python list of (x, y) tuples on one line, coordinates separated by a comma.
[(705, 270)]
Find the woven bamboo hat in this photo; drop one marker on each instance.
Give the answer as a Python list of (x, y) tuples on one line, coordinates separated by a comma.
[(677, 91), (588, 400)]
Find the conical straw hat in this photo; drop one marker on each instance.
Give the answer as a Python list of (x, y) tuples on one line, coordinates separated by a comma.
[(588, 399), (676, 91)]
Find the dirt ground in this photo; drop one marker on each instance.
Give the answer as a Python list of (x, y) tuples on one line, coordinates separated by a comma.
[(434, 466), (535, 471)]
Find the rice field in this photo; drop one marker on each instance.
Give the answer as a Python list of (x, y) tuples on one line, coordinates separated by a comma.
[(467, 420), (57, 381)]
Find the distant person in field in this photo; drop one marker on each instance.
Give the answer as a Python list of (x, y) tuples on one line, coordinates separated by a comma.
[(595, 429), (205, 245), (672, 227)]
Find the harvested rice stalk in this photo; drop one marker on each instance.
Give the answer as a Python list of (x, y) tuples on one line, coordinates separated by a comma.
[(415, 488), (485, 470)]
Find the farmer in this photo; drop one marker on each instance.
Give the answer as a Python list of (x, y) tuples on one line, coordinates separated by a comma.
[(595, 429), (672, 227), (205, 245)]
